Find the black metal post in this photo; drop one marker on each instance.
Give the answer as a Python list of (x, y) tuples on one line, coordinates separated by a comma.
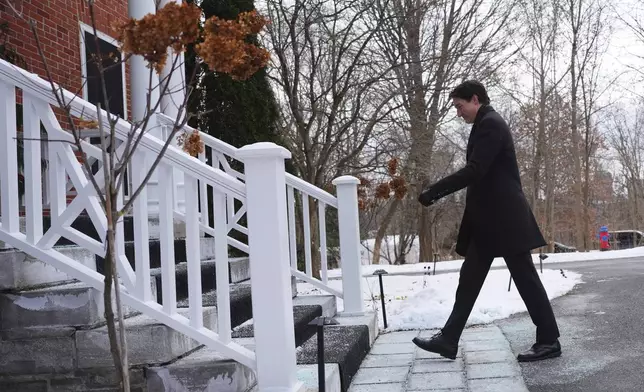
[(319, 323), (542, 257), (510, 283), (381, 272), (435, 260), (382, 300), (321, 375)]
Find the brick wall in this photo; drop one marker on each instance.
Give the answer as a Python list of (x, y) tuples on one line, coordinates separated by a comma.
[(58, 28), (59, 33)]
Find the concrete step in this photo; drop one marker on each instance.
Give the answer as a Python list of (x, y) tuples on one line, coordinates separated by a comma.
[(305, 310), (36, 351), (149, 342), (84, 224), (86, 380), (345, 344), (207, 250), (238, 271), (241, 305), (70, 305), (19, 271), (207, 371)]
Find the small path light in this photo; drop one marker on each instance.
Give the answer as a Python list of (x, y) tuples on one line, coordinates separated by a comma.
[(379, 273), (320, 323), (542, 257)]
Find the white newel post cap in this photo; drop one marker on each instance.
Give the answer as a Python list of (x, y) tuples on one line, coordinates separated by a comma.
[(345, 180), (263, 150)]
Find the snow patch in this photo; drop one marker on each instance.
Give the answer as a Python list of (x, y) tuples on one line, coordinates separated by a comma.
[(425, 302)]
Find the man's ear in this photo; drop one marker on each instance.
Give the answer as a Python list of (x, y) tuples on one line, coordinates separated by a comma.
[(475, 99)]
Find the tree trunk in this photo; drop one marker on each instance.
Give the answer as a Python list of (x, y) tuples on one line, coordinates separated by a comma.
[(426, 251), (578, 204), (117, 343), (586, 201), (382, 230), (424, 235), (316, 255), (541, 136)]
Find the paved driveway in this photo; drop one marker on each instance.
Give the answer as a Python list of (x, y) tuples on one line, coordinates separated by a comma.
[(602, 326)]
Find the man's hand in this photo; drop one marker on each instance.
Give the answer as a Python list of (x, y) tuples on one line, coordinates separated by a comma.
[(425, 199)]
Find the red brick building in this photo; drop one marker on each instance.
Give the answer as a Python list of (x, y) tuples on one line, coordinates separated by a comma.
[(66, 35), (67, 40)]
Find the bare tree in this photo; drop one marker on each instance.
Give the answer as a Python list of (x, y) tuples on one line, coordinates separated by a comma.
[(585, 21), (331, 89), (542, 20), (628, 142), (632, 15), (432, 45)]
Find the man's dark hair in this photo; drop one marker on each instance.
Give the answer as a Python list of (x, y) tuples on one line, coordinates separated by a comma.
[(470, 88)]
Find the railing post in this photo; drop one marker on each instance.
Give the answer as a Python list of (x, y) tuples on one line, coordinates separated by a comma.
[(269, 268), (349, 225)]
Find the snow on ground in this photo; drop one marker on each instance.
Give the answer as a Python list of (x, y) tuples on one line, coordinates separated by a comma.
[(455, 265), (425, 302)]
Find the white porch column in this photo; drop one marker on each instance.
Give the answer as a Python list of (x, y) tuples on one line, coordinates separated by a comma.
[(139, 86), (269, 268), (349, 226), (170, 103)]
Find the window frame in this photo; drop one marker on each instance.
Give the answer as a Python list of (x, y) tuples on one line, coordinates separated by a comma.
[(85, 28)]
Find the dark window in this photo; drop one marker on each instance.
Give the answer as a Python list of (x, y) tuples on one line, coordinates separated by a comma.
[(113, 76)]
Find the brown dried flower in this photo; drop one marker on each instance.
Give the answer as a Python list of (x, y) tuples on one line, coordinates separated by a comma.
[(224, 48), (174, 26), (191, 142), (392, 166), (399, 185), (383, 191)]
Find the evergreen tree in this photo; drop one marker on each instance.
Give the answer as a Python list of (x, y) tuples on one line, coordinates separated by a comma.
[(238, 112)]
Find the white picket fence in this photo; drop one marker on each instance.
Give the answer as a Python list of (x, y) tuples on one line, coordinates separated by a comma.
[(264, 192)]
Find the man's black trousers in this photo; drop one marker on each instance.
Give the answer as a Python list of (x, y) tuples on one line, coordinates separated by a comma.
[(473, 273)]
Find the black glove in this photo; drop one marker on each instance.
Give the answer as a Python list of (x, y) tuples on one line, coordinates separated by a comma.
[(425, 198)]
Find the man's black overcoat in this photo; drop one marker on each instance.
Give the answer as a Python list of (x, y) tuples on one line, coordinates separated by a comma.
[(497, 215)]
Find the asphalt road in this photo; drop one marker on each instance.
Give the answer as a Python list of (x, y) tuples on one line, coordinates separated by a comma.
[(602, 328)]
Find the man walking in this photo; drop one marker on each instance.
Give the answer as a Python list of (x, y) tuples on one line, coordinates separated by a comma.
[(497, 222)]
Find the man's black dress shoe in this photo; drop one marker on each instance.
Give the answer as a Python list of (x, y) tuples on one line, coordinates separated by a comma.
[(540, 351), (438, 344)]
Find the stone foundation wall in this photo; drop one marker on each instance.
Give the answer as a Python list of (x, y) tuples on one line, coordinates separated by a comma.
[(93, 380)]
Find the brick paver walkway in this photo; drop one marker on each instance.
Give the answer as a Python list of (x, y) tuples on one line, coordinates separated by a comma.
[(485, 363)]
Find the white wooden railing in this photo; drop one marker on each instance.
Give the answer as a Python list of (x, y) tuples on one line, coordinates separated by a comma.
[(260, 191), (224, 156)]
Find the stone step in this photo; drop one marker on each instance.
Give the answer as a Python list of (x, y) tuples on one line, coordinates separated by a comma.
[(19, 271), (84, 224), (71, 305), (36, 351), (206, 370), (149, 342), (345, 344), (305, 310), (207, 252), (238, 271), (153, 343)]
